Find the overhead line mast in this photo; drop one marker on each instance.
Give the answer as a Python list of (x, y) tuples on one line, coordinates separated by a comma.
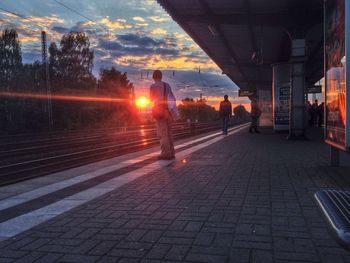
[(46, 74)]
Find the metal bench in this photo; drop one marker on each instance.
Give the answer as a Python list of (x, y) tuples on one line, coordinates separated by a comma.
[(335, 206)]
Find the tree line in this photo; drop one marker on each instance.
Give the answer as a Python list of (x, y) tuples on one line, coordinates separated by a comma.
[(69, 71), (70, 64), (198, 110)]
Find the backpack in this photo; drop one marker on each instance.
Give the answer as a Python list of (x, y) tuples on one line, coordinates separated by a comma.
[(161, 110)]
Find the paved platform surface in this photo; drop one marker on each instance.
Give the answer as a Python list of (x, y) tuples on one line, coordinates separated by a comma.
[(246, 198)]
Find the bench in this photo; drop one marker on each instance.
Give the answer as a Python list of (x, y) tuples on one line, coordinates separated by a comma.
[(335, 206)]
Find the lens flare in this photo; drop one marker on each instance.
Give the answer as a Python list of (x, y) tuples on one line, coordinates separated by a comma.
[(40, 96), (143, 102)]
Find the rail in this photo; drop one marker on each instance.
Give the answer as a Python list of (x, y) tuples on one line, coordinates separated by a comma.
[(23, 157)]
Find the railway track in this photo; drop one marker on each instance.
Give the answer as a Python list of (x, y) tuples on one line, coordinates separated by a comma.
[(27, 156)]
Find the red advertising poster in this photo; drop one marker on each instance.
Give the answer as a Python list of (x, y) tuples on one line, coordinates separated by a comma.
[(265, 104), (335, 73)]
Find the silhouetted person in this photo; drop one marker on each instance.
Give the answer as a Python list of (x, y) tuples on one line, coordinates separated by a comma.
[(255, 114), (314, 112), (309, 113), (225, 112), (163, 97), (320, 113)]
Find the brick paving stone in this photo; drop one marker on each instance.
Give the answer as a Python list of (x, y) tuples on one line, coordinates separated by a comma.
[(152, 236), (32, 257), (49, 257), (86, 246), (72, 233), (109, 259), (17, 244), (128, 253), (221, 251), (102, 248), (262, 256), (55, 249), (88, 233), (33, 246), (297, 256), (129, 260), (7, 253), (175, 240), (193, 226), (78, 258), (136, 235), (206, 258), (177, 253), (204, 239), (158, 251), (239, 255), (66, 242)]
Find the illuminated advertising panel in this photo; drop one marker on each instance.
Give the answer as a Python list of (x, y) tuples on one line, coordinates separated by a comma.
[(265, 104), (335, 67), (281, 96), (282, 112)]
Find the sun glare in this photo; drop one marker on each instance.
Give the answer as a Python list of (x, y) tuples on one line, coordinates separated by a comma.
[(143, 102)]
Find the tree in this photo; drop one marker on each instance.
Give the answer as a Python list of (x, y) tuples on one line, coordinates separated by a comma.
[(116, 85), (71, 64), (10, 57), (10, 66), (198, 110), (70, 67), (187, 109), (240, 112)]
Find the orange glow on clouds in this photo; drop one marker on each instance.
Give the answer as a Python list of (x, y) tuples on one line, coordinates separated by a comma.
[(160, 62)]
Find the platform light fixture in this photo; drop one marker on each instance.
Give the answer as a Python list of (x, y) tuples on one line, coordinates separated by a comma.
[(213, 30)]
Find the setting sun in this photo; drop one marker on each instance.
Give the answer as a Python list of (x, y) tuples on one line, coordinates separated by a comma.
[(143, 102)]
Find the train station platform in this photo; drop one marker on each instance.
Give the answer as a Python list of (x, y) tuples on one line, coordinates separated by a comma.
[(237, 198)]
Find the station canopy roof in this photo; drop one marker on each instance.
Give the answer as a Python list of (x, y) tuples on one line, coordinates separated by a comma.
[(231, 31)]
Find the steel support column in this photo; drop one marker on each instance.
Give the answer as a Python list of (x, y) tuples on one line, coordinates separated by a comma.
[(297, 101)]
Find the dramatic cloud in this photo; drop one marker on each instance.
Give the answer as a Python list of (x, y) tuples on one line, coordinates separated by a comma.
[(135, 40), (159, 19), (158, 31), (60, 29), (138, 19), (133, 45), (115, 24), (45, 19)]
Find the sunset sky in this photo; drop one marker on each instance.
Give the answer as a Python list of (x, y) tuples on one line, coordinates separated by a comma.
[(135, 36)]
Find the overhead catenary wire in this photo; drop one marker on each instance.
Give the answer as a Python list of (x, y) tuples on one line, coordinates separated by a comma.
[(13, 13), (81, 14), (75, 11)]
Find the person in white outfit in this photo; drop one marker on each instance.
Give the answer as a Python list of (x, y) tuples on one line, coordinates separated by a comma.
[(163, 111)]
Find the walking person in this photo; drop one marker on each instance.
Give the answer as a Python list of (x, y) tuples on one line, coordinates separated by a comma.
[(225, 112), (164, 104), (320, 113), (314, 109), (255, 115), (309, 113)]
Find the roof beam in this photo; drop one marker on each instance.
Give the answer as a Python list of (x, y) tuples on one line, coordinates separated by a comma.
[(249, 65), (241, 19), (172, 11), (223, 38), (250, 25), (252, 32), (257, 82)]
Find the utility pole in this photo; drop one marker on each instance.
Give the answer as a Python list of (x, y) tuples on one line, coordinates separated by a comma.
[(47, 78)]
